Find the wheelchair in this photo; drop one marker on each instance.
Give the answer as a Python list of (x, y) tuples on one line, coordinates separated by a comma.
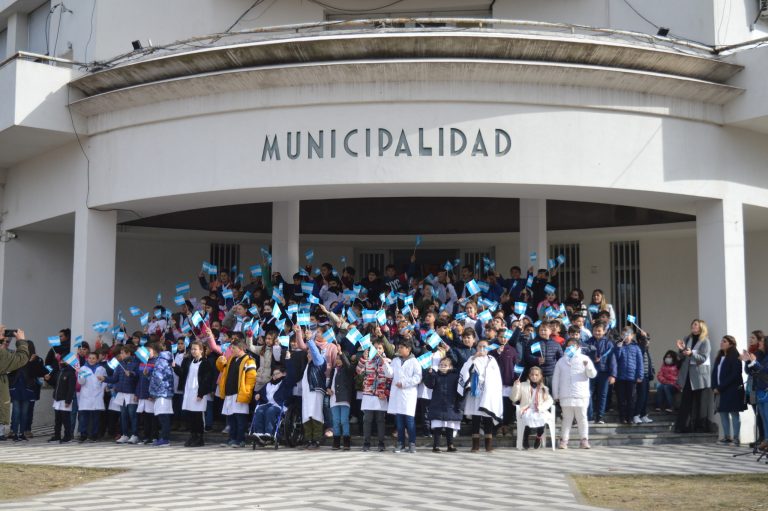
[(288, 431)]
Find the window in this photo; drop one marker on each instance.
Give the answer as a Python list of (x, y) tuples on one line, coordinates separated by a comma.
[(226, 256), (476, 259), (625, 280), (370, 260), (568, 273), (37, 29)]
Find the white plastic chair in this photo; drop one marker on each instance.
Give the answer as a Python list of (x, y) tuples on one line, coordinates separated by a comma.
[(549, 425)]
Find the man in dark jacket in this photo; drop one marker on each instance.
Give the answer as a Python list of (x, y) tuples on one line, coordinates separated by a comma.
[(9, 361)]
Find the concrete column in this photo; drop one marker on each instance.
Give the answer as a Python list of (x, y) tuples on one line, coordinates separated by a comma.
[(93, 273), (17, 34), (285, 238), (721, 279), (533, 232)]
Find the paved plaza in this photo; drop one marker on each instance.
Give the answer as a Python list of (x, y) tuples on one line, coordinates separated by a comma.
[(215, 478)]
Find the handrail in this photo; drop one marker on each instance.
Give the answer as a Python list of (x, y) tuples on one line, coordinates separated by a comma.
[(25, 55), (385, 24)]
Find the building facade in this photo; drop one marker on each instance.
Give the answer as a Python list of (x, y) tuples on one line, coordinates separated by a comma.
[(140, 138)]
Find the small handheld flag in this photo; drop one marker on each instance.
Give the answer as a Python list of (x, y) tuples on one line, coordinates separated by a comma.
[(519, 369), (49, 369), (144, 319), (54, 341), (520, 308), (307, 287), (196, 319), (255, 271), (536, 347), (276, 311), (113, 363), (284, 340), (472, 287), (550, 289), (71, 359), (425, 360), (533, 257), (434, 340), (182, 287), (561, 259), (142, 354), (485, 316), (313, 299), (227, 294), (135, 311), (631, 319), (179, 300), (354, 335), (309, 255), (329, 335), (381, 317)]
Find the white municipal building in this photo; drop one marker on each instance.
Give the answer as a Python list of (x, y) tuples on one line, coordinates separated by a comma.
[(140, 138)]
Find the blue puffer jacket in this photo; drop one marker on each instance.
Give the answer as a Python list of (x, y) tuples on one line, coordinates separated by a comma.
[(161, 381), (145, 372), (121, 379), (606, 351), (629, 361)]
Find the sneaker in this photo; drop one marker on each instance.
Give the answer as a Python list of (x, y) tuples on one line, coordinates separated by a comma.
[(122, 440), (398, 448), (29, 434), (82, 438), (584, 444), (658, 409), (161, 443), (54, 438), (228, 443), (92, 440), (148, 441), (353, 420), (366, 447), (23, 438), (225, 430), (636, 420), (412, 448), (600, 420), (382, 447), (237, 445), (451, 448), (65, 440), (436, 449), (15, 437), (133, 440), (725, 440), (646, 419), (562, 445), (669, 410)]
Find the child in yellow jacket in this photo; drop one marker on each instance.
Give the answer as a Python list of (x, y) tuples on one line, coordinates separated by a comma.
[(238, 377)]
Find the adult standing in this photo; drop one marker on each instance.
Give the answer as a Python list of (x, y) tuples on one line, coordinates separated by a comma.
[(728, 385), (694, 379), (9, 361)]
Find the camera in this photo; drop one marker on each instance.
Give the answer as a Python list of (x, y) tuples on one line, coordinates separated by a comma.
[(10, 333)]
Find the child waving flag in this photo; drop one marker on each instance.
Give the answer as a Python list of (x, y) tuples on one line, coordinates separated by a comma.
[(480, 384)]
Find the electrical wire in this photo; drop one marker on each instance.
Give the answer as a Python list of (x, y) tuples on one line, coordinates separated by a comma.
[(88, 166), (58, 29), (90, 34), (254, 4), (355, 11), (654, 25)]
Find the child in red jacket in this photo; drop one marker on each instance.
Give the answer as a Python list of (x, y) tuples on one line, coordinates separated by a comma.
[(667, 386)]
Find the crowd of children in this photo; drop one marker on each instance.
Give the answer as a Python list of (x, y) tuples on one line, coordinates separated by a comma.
[(429, 352)]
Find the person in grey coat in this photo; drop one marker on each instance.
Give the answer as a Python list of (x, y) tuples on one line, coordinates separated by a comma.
[(694, 379)]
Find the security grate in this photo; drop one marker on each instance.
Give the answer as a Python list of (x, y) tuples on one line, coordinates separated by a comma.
[(625, 280), (568, 273)]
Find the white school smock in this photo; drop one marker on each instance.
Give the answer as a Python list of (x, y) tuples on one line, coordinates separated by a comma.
[(408, 373), (190, 401), (91, 389)]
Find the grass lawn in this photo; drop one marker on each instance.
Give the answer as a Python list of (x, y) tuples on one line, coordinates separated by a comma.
[(22, 481), (682, 493)]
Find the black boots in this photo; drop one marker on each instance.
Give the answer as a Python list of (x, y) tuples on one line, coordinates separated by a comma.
[(336, 443), (346, 442)]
